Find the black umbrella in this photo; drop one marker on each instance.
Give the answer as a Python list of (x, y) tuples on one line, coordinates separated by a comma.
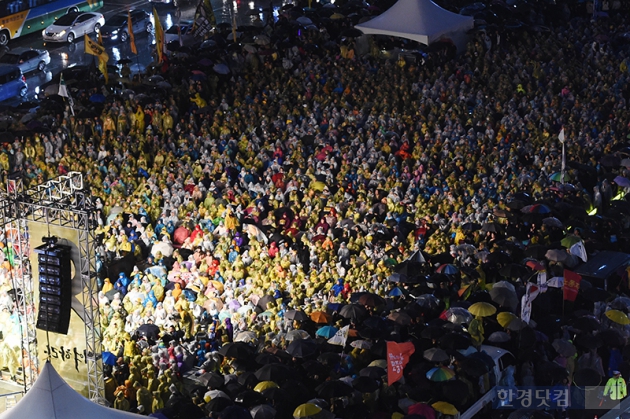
[(375, 373), (373, 328), (471, 226), (298, 392), (365, 384), (548, 371), (237, 350), (351, 33), (274, 372), (454, 341), (333, 389), (277, 395), (499, 257), (264, 300), (329, 359), (248, 379), (353, 312), (432, 332), (588, 341), (587, 377), (514, 270), (211, 379), (218, 405), (301, 348), (473, 367), (315, 368), (234, 412), (264, 359), (249, 398), (536, 251), (150, 331), (586, 323), (298, 315), (612, 337)]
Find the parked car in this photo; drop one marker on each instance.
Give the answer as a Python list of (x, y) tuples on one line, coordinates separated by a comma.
[(174, 3), (116, 27), (12, 82), (72, 26), (171, 34), (28, 59)]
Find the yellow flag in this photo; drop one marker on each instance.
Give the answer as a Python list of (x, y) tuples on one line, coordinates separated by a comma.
[(132, 39), (159, 36), (99, 38), (97, 50), (94, 48)]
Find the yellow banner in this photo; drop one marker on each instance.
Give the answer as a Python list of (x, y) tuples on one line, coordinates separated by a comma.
[(132, 39), (159, 36), (94, 48)]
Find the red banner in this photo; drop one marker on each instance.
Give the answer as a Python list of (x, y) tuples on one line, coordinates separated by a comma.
[(397, 357), (571, 285)]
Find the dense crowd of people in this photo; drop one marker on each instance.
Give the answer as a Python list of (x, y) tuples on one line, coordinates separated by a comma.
[(244, 219)]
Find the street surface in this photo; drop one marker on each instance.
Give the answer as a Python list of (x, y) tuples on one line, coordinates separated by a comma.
[(65, 55)]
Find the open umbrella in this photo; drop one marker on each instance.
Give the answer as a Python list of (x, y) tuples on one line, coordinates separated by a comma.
[(365, 384), (482, 309), (587, 377), (109, 358), (445, 408), (361, 344), (221, 69), (332, 389), (264, 385), (301, 348), (371, 300), (246, 336), (564, 348), (498, 337), (447, 269), (505, 318), (273, 372), (436, 355), (458, 315), (148, 330), (557, 255), (353, 312), (306, 410), (400, 317), (504, 297), (296, 334), (618, 317), (570, 240), (454, 341), (376, 373), (211, 380), (320, 317), (236, 350), (440, 374), (263, 411), (552, 222), (298, 315), (326, 331), (536, 209)]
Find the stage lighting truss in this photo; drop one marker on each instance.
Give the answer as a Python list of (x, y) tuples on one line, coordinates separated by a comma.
[(63, 202)]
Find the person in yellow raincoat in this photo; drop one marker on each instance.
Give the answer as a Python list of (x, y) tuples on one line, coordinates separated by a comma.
[(475, 328)]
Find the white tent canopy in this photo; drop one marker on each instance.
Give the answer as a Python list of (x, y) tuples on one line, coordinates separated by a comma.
[(419, 20), (52, 398)]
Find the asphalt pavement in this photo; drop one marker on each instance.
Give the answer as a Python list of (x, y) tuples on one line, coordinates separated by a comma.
[(64, 55)]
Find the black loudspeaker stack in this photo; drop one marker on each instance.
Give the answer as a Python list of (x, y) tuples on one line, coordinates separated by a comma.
[(55, 286)]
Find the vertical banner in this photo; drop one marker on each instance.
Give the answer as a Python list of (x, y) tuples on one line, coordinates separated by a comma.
[(159, 37), (132, 38), (571, 285), (397, 358)]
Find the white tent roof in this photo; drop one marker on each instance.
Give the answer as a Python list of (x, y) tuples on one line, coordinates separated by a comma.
[(52, 398), (418, 20)]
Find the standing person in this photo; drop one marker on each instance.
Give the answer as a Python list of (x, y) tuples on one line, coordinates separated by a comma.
[(616, 389)]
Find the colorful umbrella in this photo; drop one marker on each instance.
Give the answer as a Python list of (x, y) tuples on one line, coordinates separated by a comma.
[(536, 209), (570, 240), (447, 269), (440, 374), (482, 309)]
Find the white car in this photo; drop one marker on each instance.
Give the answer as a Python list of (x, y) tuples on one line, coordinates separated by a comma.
[(72, 26)]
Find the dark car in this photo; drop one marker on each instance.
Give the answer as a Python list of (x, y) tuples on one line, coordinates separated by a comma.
[(116, 27)]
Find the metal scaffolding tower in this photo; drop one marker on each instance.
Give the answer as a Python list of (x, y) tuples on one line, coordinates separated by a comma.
[(61, 202)]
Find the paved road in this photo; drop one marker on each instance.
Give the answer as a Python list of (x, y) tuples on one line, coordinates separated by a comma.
[(65, 55)]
